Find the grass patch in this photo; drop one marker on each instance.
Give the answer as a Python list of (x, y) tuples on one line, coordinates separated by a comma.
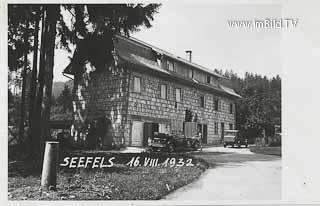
[(266, 150), (119, 182)]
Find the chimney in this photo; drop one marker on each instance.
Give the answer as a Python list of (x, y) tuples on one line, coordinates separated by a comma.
[(189, 53)]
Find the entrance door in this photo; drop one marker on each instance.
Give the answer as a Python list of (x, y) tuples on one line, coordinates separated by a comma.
[(203, 129), (199, 129), (155, 128), (137, 133), (204, 134), (148, 130), (222, 131)]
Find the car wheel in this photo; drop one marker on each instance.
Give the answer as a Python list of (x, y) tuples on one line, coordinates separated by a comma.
[(196, 146)]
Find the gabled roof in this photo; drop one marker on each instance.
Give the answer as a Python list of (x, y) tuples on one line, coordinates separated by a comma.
[(131, 55), (162, 52), (141, 62)]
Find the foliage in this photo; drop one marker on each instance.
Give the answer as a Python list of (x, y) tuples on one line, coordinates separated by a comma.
[(13, 108), (96, 25), (19, 18), (65, 99), (13, 117), (62, 105), (260, 106), (91, 22), (190, 116)]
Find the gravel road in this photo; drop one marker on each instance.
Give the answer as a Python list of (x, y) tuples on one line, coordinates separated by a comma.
[(238, 175)]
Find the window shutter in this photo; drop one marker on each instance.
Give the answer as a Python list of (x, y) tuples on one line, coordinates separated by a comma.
[(137, 84)]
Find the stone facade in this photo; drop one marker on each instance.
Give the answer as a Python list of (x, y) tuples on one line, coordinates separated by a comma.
[(149, 106), (103, 94), (130, 106)]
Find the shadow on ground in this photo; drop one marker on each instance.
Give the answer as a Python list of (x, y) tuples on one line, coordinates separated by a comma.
[(215, 159)]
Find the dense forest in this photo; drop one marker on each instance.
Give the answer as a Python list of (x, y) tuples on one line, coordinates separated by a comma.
[(260, 106)]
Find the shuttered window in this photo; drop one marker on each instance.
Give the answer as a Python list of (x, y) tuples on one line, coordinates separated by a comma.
[(170, 65), (190, 73), (201, 101), (216, 128), (163, 91), (178, 95), (137, 84), (216, 104)]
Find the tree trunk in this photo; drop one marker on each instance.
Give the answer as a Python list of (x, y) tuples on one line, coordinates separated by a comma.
[(35, 140), (49, 64), (24, 80), (41, 112), (33, 82)]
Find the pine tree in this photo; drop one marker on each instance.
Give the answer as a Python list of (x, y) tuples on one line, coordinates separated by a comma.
[(108, 20)]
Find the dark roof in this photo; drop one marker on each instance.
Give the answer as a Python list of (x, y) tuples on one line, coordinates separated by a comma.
[(148, 64), (162, 52), (77, 56), (129, 54)]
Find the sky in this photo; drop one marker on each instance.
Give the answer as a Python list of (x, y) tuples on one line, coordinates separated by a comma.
[(203, 28)]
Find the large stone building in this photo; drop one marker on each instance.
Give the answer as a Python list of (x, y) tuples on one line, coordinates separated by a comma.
[(146, 89)]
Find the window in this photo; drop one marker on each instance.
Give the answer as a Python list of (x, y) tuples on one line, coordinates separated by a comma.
[(208, 79), (191, 73), (216, 128), (170, 65), (163, 91), (201, 101), (231, 126), (178, 95), (137, 84), (231, 108), (216, 104)]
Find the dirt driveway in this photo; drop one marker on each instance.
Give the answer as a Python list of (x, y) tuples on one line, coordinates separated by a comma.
[(234, 174)]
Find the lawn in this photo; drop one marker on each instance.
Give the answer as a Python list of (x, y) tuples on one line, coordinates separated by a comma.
[(266, 150), (119, 182)]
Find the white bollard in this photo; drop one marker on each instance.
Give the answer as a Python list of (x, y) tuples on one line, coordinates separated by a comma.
[(50, 165)]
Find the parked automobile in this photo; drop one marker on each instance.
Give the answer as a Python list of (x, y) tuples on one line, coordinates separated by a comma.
[(171, 143), (232, 137)]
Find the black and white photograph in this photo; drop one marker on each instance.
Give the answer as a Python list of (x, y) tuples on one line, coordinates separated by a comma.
[(167, 101)]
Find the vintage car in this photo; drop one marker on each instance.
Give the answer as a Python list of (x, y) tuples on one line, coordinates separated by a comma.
[(172, 143), (232, 137)]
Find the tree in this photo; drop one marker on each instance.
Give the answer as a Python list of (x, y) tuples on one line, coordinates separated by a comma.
[(24, 81), (41, 113), (19, 46), (95, 29), (33, 81), (96, 26), (65, 100), (260, 105), (107, 20)]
